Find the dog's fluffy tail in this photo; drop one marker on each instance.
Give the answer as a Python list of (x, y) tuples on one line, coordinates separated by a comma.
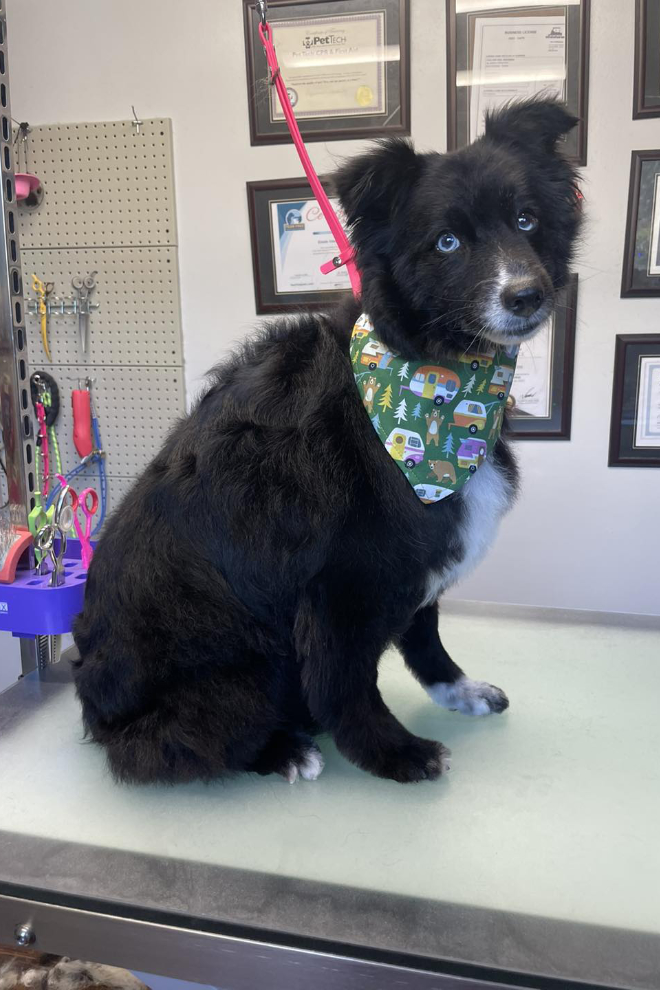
[(212, 725), (158, 747)]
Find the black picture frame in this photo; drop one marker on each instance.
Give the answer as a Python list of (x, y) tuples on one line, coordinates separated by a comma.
[(641, 257), (557, 426), (261, 195), (626, 392), (394, 119), (646, 93), (459, 28)]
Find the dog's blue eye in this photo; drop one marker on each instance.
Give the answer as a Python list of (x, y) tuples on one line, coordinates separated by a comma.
[(527, 222), (447, 243)]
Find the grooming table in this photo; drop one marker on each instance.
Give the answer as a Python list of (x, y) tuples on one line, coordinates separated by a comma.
[(535, 863)]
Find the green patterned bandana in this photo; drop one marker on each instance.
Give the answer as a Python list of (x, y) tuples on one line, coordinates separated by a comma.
[(438, 423)]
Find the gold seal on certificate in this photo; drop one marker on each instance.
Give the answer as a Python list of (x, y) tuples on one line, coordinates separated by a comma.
[(346, 67), (364, 96)]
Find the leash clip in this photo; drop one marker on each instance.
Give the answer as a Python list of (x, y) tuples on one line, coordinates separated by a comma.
[(262, 10), (344, 257)]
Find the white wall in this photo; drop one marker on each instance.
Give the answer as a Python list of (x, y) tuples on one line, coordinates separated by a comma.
[(583, 535)]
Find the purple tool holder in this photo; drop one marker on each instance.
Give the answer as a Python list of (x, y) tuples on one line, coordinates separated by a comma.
[(29, 607)]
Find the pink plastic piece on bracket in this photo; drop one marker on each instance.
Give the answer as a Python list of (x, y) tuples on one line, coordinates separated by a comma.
[(25, 184)]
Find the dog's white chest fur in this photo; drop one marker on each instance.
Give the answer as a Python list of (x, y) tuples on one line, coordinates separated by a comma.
[(486, 496)]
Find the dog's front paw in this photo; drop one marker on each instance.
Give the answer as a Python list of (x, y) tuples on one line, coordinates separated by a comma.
[(470, 697), (420, 759)]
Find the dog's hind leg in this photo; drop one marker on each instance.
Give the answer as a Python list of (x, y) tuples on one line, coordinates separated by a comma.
[(441, 678), (339, 647), (290, 754)]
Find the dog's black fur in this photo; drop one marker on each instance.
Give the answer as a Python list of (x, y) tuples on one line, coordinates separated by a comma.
[(243, 593)]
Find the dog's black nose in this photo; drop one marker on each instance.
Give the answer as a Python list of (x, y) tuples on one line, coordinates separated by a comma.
[(523, 300)]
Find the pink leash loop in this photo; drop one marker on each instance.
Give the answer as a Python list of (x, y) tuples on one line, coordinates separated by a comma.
[(346, 255)]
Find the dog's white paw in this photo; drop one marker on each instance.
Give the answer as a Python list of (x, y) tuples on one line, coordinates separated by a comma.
[(468, 696), (309, 766)]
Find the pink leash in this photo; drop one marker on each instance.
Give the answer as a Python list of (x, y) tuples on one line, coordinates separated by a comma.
[(43, 433), (346, 254)]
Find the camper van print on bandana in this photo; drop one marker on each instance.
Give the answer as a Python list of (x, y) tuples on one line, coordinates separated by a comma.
[(438, 422)]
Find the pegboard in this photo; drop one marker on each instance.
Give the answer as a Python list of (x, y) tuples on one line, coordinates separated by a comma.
[(109, 207), (105, 185), (138, 316), (134, 406)]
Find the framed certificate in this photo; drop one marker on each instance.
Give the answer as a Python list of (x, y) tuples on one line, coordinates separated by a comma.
[(346, 64), (635, 426), (290, 241), (498, 52), (540, 402), (646, 101), (641, 260)]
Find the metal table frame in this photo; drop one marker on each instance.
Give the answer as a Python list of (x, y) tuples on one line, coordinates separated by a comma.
[(241, 957), (228, 961)]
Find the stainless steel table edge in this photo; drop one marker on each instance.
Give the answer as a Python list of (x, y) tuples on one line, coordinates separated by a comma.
[(229, 961), (132, 892)]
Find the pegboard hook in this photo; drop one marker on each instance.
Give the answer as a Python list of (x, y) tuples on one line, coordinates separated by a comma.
[(136, 122), (22, 134)]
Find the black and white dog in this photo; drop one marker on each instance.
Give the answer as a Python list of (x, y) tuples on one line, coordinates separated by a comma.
[(243, 593)]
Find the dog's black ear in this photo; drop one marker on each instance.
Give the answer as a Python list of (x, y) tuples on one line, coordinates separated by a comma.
[(534, 124), (373, 186)]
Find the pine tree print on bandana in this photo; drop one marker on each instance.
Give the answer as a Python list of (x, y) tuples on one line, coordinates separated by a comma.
[(437, 423)]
